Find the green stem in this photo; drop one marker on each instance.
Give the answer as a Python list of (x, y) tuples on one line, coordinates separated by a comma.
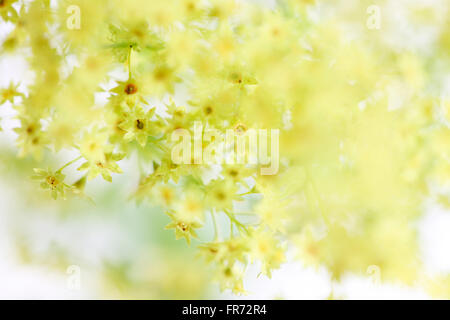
[(231, 229), (247, 193), (69, 163), (129, 61), (216, 230), (233, 219)]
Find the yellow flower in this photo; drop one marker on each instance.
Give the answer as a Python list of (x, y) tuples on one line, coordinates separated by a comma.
[(227, 252), (138, 125), (161, 78), (61, 131), (273, 213), (31, 138), (231, 278), (183, 229), (9, 93), (131, 92), (103, 167), (266, 248), (52, 181), (7, 11), (134, 34), (94, 145), (190, 207), (220, 194), (222, 9)]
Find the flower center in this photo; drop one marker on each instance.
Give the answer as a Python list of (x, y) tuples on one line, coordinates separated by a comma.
[(233, 173), (131, 89), (240, 128), (161, 74), (190, 6), (51, 180), (140, 124), (30, 129), (208, 110), (236, 77), (228, 272), (183, 226), (220, 195)]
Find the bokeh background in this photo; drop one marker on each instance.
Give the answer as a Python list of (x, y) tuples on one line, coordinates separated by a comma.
[(122, 250)]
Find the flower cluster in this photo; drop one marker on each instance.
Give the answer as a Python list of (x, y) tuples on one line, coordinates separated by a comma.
[(355, 164)]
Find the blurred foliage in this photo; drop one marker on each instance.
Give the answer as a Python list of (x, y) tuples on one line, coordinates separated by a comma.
[(364, 126)]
